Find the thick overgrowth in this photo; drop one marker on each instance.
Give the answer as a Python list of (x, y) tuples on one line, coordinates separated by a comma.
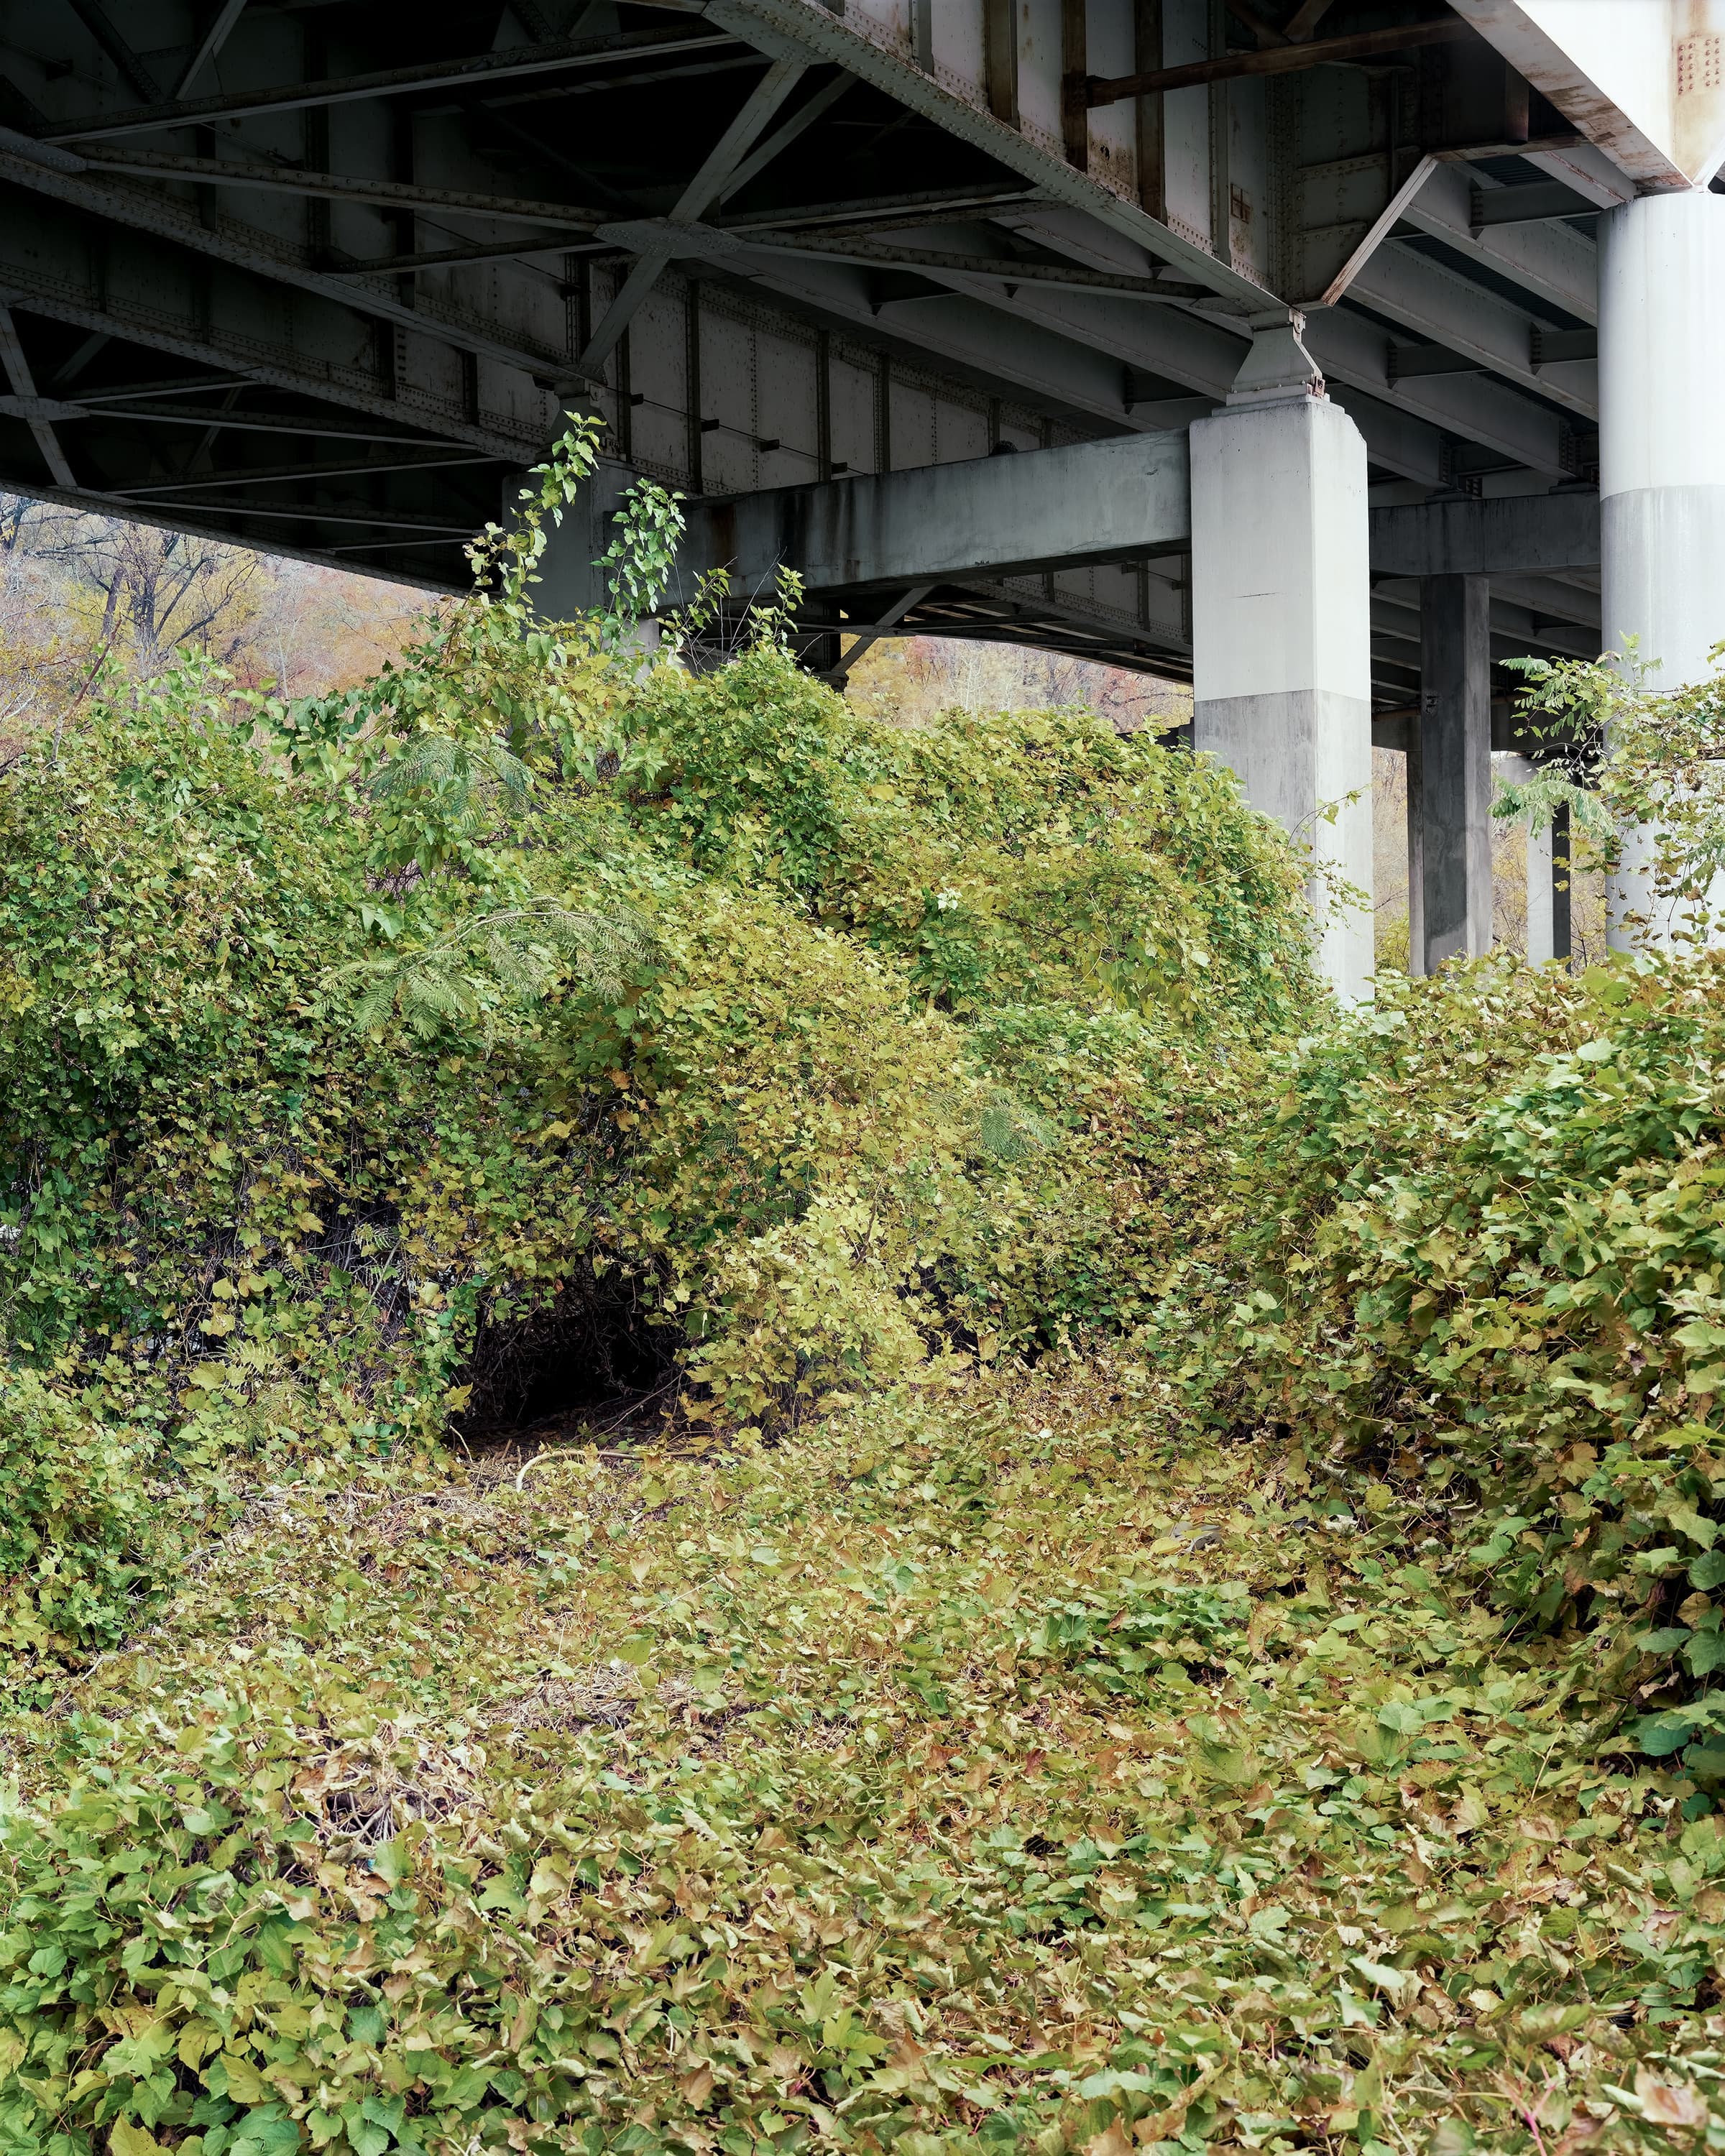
[(876, 1020), (1283, 1716), (529, 992), (1482, 1259), (77, 1538), (997, 1766)]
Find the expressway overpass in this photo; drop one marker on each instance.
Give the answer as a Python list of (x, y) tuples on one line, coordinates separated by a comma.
[(1281, 344)]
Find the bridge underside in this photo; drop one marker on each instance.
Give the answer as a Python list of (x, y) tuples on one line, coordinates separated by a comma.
[(320, 276)]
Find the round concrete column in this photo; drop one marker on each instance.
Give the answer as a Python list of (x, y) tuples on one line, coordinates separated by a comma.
[(1662, 453)]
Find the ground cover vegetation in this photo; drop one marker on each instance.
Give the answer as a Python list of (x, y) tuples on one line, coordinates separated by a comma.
[(1178, 1606)]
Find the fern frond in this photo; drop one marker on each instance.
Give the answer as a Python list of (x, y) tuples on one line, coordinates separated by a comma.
[(523, 948), (464, 771), (1011, 1131), (374, 1006), (430, 996)]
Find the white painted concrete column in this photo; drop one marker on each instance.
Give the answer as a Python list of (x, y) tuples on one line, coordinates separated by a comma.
[(1661, 457), (1542, 920), (1281, 622), (1541, 945)]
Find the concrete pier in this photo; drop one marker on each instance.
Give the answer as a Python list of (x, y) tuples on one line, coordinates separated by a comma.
[(1661, 465), (1455, 782), (1548, 875), (1280, 623), (1562, 879)]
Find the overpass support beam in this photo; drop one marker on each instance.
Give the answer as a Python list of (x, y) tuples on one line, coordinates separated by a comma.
[(1515, 535), (1122, 499), (1662, 460), (571, 581), (1281, 625), (1455, 773)]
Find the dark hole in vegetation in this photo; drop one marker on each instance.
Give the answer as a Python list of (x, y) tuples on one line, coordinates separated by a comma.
[(590, 1354)]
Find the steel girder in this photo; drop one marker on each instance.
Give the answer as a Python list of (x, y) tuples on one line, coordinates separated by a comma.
[(377, 216)]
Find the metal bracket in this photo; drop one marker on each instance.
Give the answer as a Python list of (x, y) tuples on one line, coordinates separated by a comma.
[(1277, 368)]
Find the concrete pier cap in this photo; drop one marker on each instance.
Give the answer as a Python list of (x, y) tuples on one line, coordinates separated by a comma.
[(1281, 624)]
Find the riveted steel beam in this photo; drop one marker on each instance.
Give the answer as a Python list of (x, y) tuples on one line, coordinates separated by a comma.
[(791, 131), (95, 19), (885, 211), (335, 426), (1007, 269), (334, 186), (266, 256), (1442, 307), (221, 26), (55, 276), (448, 258), (827, 37), (1538, 202), (1552, 262), (1277, 60), (692, 204), (23, 390), (215, 482), (327, 512), (471, 71), (1016, 352)]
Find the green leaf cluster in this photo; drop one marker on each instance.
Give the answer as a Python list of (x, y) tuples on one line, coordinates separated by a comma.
[(1478, 1256), (999, 1765), (328, 1035)]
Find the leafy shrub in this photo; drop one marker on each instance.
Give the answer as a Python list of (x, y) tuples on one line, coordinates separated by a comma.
[(75, 1526), (214, 1183), (1017, 859), (1482, 1255), (328, 1041)]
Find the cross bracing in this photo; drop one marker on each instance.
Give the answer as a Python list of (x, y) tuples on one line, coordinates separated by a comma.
[(377, 249)]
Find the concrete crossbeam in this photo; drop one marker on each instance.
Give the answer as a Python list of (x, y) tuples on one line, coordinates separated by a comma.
[(997, 515), (1471, 538), (1117, 500)]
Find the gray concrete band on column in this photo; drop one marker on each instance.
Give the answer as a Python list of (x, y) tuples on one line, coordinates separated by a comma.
[(1271, 739), (1643, 532)]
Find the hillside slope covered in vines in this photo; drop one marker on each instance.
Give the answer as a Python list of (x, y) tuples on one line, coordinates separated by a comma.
[(1171, 1602)]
